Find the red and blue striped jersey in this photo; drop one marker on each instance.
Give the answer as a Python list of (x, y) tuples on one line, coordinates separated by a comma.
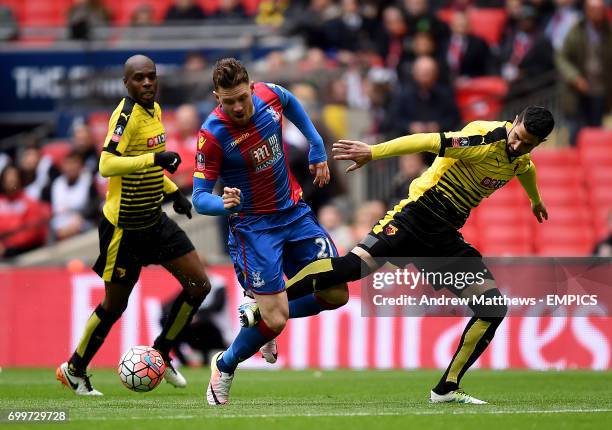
[(253, 158)]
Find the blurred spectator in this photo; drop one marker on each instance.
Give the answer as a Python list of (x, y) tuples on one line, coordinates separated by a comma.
[(424, 45), (310, 22), (419, 18), (393, 43), (189, 85), (583, 62), (271, 13), (527, 56), (603, 248), (561, 22), (513, 12), (74, 199), (230, 10), (85, 15), (380, 84), (23, 221), (84, 144), (207, 333), (410, 167), (184, 140), (467, 55), (298, 147), (544, 9), (142, 24), (367, 215), (333, 221), (425, 105), (8, 24), (182, 11), (351, 30), (37, 172)]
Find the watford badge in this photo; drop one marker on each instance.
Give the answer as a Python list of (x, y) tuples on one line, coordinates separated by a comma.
[(390, 230)]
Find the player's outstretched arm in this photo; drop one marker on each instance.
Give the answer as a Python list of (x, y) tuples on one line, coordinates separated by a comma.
[(529, 183), (358, 152)]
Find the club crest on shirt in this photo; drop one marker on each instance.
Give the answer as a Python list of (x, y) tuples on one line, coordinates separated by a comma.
[(275, 115), (258, 282), (390, 230)]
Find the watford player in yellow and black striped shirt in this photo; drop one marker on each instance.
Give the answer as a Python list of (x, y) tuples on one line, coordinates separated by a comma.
[(471, 164), (135, 232)]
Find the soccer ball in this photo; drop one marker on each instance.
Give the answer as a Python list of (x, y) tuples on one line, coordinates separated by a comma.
[(141, 368)]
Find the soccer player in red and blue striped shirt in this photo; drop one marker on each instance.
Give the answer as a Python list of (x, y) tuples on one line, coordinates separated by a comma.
[(272, 230)]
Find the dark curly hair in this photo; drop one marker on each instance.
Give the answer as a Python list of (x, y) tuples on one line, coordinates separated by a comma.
[(538, 121)]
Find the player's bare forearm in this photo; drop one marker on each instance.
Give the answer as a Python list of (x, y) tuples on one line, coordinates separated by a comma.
[(358, 152)]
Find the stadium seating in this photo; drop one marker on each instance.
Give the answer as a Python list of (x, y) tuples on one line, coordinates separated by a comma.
[(480, 98), (557, 157), (595, 147)]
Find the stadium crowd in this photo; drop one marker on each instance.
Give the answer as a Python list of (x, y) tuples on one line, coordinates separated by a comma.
[(372, 70)]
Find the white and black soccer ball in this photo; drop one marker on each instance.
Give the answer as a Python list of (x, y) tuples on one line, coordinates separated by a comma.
[(141, 368)]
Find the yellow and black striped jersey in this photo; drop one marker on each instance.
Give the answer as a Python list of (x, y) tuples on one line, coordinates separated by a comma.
[(134, 197), (471, 165)]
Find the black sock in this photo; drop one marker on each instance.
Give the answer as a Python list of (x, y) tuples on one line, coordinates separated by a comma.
[(182, 312), (97, 328), (477, 335)]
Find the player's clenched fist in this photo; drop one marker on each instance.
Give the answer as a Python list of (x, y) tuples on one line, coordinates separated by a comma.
[(231, 198), (167, 160)]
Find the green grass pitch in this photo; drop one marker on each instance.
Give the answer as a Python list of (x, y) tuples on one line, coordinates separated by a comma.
[(321, 400)]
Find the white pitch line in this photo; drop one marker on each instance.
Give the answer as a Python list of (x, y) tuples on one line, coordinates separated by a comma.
[(474, 411)]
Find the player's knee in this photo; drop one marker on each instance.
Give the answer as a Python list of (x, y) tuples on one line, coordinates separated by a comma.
[(276, 321), (336, 296), (198, 289), (490, 306)]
